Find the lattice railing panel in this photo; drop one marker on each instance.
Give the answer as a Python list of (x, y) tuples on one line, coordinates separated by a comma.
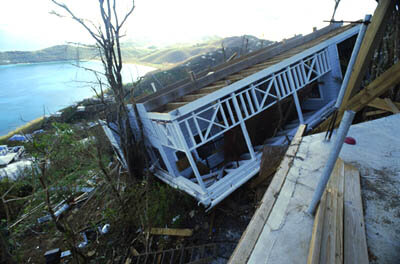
[(242, 104)]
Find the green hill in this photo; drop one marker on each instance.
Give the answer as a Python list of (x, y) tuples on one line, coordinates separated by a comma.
[(55, 53)]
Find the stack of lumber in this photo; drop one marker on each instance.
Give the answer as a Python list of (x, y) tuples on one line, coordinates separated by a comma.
[(339, 232)]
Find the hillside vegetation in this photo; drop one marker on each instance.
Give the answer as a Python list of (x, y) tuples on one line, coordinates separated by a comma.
[(173, 62)]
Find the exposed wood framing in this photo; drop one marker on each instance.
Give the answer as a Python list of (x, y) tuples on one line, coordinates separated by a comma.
[(327, 239), (374, 113), (373, 36), (167, 95), (380, 85), (256, 225), (392, 106), (382, 104), (376, 88)]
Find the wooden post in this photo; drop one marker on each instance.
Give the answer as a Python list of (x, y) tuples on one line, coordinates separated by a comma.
[(372, 38)]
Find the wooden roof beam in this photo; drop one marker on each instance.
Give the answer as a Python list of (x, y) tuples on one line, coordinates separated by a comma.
[(372, 37), (193, 97)]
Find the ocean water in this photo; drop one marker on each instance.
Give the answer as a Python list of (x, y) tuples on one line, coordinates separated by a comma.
[(28, 91)]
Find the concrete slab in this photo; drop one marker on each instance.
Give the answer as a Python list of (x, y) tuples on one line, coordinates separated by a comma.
[(286, 236)]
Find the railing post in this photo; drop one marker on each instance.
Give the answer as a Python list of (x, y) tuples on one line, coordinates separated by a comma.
[(189, 155), (296, 98), (243, 126)]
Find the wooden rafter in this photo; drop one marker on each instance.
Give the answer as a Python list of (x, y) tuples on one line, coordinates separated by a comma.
[(384, 104), (371, 39), (384, 82)]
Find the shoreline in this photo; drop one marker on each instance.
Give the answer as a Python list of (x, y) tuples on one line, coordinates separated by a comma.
[(37, 121), (23, 128)]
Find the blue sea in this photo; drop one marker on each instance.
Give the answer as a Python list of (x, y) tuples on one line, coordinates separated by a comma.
[(29, 91)]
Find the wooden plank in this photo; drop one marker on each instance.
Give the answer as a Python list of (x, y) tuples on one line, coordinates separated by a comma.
[(171, 232), (315, 244), (173, 106), (392, 106), (373, 113), (382, 105), (327, 239), (380, 85), (211, 88), (355, 242), (376, 88), (250, 236), (339, 215), (192, 97), (372, 37)]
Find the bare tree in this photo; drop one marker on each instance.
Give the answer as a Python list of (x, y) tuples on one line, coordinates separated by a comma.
[(107, 35)]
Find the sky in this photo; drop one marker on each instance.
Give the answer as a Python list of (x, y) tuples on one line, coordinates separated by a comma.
[(28, 25)]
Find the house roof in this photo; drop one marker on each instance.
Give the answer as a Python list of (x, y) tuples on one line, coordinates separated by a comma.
[(207, 82)]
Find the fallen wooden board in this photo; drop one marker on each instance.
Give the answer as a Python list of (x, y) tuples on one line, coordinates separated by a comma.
[(171, 232), (355, 242), (250, 236)]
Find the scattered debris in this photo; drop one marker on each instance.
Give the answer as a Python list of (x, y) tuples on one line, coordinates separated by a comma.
[(53, 256), (10, 154), (171, 232), (85, 241), (46, 218), (18, 137), (105, 229), (176, 218), (350, 140), (66, 253)]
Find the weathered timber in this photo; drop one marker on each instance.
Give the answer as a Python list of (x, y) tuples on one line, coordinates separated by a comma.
[(355, 242), (374, 113), (192, 97), (327, 239), (174, 105), (392, 106), (171, 232), (383, 105), (372, 37)]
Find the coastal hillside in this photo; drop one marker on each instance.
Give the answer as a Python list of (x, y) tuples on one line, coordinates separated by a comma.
[(195, 58), (134, 52), (54, 53), (173, 62)]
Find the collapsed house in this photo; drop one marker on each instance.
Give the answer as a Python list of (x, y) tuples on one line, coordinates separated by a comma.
[(206, 135)]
